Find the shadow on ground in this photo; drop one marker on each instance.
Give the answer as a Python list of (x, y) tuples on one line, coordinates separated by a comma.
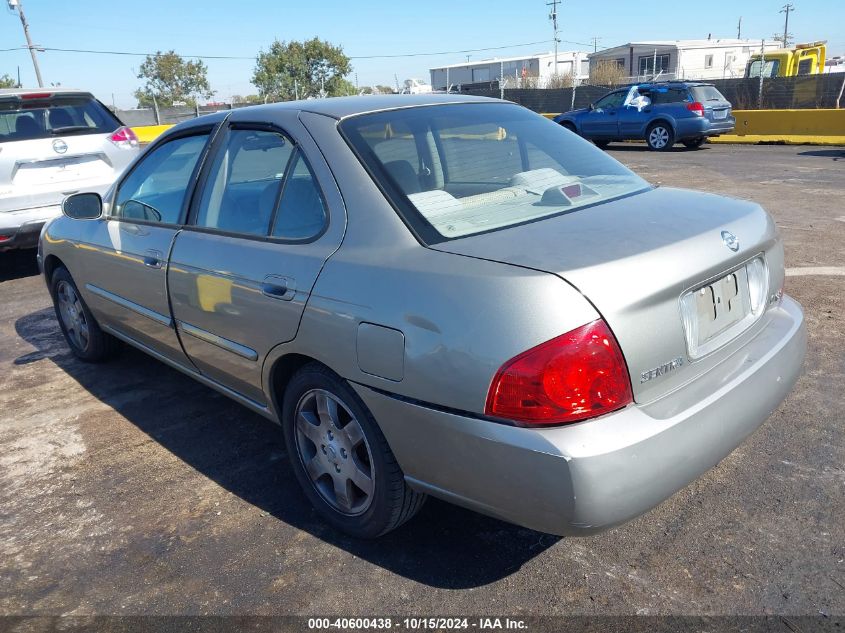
[(17, 264), (835, 154), (642, 147), (444, 546)]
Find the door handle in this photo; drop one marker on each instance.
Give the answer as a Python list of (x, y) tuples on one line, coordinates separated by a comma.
[(278, 287), (152, 259)]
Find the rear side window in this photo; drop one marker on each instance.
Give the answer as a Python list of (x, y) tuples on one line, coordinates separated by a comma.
[(668, 95), (244, 182), (155, 190), (302, 213), (28, 119), (706, 93)]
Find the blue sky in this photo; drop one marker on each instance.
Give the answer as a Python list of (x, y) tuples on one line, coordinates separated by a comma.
[(364, 27)]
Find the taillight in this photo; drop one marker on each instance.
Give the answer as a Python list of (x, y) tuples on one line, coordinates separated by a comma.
[(5, 238), (696, 107), (124, 138), (579, 375)]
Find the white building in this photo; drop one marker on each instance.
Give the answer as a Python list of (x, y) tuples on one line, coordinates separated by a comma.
[(682, 59), (513, 69)]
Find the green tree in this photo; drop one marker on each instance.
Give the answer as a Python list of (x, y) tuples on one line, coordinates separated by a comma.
[(8, 82), (169, 78), (303, 69), (385, 90)]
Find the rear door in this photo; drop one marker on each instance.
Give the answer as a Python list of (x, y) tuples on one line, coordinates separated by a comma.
[(125, 254), (55, 144), (603, 120), (267, 218)]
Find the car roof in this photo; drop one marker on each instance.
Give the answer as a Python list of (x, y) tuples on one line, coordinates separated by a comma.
[(342, 107)]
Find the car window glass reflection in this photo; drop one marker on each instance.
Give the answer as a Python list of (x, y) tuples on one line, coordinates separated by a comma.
[(155, 190), (241, 193)]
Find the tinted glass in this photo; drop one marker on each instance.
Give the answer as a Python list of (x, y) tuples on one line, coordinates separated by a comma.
[(302, 212), (478, 167), (706, 93), (613, 100), (25, 119), (244, 182), (155, 190), (667, 95)]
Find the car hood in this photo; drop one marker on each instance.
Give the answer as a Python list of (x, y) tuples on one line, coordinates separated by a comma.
[(633, 258), (572, 113)]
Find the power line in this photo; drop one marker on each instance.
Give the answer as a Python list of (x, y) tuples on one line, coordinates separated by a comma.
[(252, 58)]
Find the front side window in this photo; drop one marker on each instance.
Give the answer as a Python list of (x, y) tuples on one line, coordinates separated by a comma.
[(155, 190), (479, 167), (244, 182), (613, 100)]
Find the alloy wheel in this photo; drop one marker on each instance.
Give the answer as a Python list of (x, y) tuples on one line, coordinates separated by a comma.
[(658, 137), (334, 452), (73, 316)]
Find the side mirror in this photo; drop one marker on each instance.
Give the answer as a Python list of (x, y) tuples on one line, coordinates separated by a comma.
[(592, 106), (83, 206)]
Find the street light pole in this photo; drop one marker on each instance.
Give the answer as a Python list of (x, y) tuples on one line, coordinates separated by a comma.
[(12, 5)]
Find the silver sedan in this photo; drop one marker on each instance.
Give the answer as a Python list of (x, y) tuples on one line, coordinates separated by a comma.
[(439, 295)]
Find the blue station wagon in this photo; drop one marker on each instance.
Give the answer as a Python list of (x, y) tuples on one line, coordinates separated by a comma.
[(662, 114)]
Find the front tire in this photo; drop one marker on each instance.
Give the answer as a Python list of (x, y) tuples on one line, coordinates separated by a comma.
[(660, 137), (694, 143), (81, 330), (340, 457)]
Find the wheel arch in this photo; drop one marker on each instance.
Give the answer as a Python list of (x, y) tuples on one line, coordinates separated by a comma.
[(662, 119), (279, 374), (51, 263)]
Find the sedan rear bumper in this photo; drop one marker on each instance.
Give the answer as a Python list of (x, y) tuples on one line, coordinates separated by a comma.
[(590, 476)]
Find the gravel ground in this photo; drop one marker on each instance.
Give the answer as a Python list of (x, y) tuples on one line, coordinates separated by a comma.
[(128, 488)]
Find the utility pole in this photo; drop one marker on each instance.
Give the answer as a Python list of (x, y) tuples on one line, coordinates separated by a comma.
[(739, 29), (553, 17), (786, 9), (595, 41), (17, 4)]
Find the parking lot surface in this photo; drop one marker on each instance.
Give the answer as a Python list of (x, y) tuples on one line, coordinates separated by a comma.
[(127, 488)]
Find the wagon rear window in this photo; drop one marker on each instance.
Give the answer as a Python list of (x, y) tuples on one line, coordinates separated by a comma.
[(27, 119), (460, 169)]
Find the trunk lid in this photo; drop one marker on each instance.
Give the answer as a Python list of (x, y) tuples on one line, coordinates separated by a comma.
[(634, 259)]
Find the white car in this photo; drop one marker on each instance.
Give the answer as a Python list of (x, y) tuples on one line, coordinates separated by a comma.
[(54, 143)]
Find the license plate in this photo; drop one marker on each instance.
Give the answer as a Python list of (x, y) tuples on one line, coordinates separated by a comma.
[(711, 310), (720, 114)]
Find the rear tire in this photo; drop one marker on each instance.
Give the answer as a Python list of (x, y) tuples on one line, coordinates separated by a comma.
[(694, 143), (340, 457), (602, 144), (659, 136), (81, 330)]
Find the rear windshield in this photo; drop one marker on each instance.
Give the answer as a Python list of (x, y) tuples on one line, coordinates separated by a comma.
[(706, 93), (27, 119), (460, 169)]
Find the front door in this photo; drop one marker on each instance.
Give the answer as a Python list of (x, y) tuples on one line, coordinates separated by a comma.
[(126, 267), (243, 269), (602, 121)]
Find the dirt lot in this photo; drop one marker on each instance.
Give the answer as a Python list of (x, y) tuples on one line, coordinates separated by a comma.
[(129, 489)]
